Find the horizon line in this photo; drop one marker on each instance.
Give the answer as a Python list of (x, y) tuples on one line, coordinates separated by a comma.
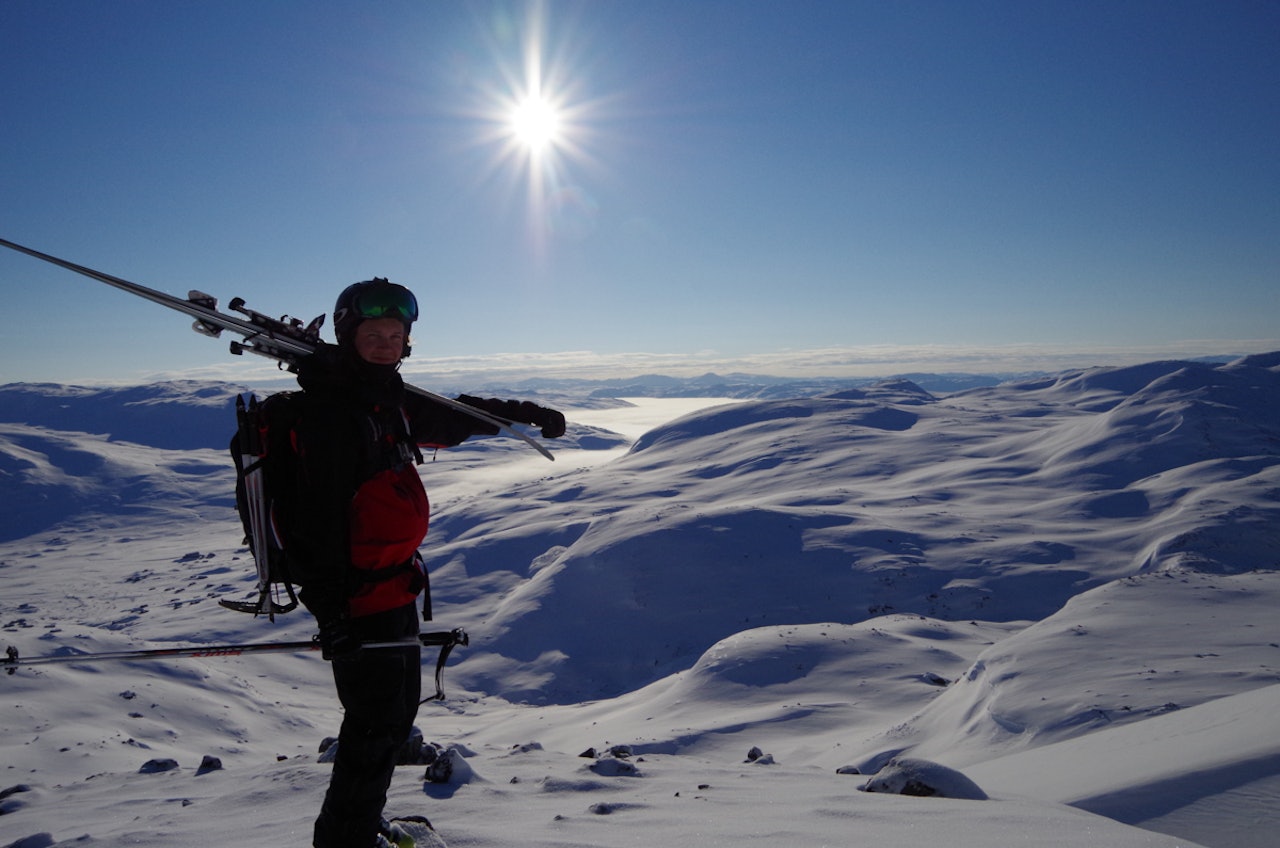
[(881, 361)]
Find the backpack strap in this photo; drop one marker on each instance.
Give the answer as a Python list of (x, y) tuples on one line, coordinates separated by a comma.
[(388, 436), (382, 575)]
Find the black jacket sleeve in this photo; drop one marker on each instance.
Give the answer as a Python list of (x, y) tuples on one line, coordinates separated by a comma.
[(525, 412), (435, 425)]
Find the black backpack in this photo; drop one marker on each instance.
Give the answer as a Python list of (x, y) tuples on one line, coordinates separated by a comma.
[(266, 481)]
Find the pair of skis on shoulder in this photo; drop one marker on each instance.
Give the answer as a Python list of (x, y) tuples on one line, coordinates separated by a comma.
[(285, 339)]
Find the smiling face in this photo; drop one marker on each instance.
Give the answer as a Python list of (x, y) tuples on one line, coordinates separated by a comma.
[(380, 341)]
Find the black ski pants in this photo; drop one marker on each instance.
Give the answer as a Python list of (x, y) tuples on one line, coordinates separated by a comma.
[(379, 691)]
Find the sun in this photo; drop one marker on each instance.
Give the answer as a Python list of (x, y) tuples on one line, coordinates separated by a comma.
[(535, 123), (538, 112)]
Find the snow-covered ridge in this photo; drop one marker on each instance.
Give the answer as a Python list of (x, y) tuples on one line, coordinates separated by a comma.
[(999, 581), (67, 451), (182, 415), (1000, 504)]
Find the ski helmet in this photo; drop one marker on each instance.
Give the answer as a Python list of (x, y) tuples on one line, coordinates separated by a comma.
[(376, 298)]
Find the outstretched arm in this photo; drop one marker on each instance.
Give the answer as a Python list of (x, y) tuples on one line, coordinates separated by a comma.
[(551, 421), (435, 425)]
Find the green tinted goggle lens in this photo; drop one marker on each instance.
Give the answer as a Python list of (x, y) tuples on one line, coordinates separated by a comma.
[(387, 303)]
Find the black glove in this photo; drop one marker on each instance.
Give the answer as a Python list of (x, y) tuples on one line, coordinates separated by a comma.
[(551, 421), (337, 643)]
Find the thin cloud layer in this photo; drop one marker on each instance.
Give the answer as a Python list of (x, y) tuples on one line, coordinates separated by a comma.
[(866, 361)]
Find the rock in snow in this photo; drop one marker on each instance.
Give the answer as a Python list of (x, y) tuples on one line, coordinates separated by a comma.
[(923, 778)]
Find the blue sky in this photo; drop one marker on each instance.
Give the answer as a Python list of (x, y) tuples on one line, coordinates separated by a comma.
[(838, 186)]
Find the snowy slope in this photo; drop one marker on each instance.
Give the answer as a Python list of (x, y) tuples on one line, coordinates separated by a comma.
[(1064, 588), (1226, 764), (999, 504)]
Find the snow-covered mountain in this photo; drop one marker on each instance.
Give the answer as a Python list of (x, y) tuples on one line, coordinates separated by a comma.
[(1064, 587)]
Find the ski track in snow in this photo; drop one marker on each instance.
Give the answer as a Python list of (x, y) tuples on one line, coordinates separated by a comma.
[(1063, 588)]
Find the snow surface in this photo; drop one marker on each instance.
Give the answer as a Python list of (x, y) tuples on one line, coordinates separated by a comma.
[(1059, 594)]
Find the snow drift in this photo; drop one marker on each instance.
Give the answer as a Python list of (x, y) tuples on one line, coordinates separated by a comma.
[(1059, 591)]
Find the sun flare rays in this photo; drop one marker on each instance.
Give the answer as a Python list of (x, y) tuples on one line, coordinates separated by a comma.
[(537, 117)]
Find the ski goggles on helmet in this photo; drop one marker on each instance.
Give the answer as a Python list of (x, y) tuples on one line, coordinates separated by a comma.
[(385, 301)]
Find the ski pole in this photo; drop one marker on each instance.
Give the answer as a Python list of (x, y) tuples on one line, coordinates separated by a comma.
[(444, 639)]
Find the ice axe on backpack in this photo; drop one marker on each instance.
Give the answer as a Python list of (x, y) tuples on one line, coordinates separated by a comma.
[(249, 454)]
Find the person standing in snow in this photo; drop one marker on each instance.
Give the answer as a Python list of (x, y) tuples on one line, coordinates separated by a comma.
[(360, 517)]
